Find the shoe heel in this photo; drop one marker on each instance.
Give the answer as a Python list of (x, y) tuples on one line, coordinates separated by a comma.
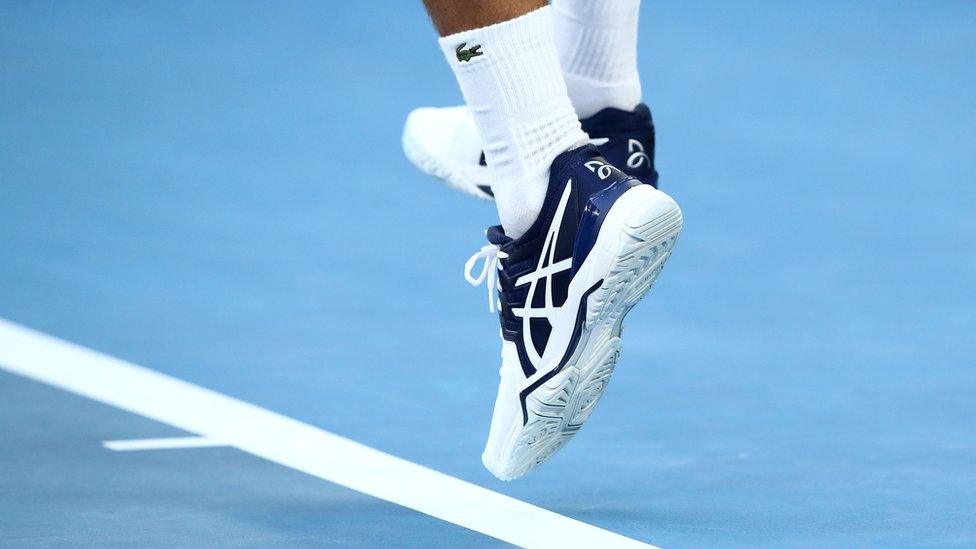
[(647, 237)]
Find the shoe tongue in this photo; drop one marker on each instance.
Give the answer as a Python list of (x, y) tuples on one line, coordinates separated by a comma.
[(496, 235)]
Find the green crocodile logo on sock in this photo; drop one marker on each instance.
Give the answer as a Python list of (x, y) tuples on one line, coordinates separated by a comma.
[(467, 54)]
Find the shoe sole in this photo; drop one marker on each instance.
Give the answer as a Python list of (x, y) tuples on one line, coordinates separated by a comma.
[(559, 408), (431, 165)]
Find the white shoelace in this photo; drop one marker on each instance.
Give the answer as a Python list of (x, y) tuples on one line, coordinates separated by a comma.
[(491, 255)]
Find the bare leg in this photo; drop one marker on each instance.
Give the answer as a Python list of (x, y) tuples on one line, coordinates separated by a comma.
[(453, 16)]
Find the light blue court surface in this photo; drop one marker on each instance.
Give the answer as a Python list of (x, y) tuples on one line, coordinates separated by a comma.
[(217, 192)]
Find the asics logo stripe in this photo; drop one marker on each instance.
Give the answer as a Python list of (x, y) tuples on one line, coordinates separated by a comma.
[(574, 340), (546, 268)]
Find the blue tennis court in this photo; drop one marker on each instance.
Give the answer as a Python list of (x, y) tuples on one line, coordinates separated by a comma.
[(217, 192)]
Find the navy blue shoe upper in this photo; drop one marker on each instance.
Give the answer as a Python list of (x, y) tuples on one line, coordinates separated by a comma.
[(593, 186), (630, 144), (582, 188)]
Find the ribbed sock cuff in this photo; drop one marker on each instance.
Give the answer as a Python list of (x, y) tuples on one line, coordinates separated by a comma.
[(597, 44), (513, 85)]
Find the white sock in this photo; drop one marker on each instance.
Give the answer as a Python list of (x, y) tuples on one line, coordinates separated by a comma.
[(514, 87), (597, 43)]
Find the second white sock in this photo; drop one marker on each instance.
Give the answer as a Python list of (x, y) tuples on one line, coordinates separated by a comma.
[(511, 79), (597, 43)]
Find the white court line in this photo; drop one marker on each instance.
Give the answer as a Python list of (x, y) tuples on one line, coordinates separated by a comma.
[(162, 443), (291, 443)]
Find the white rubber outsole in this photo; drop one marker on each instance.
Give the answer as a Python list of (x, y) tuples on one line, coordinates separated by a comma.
[(558, 408), (452, 175)]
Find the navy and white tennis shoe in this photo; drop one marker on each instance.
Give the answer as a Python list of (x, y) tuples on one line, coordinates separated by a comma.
[(562, 290), (443, 142)]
